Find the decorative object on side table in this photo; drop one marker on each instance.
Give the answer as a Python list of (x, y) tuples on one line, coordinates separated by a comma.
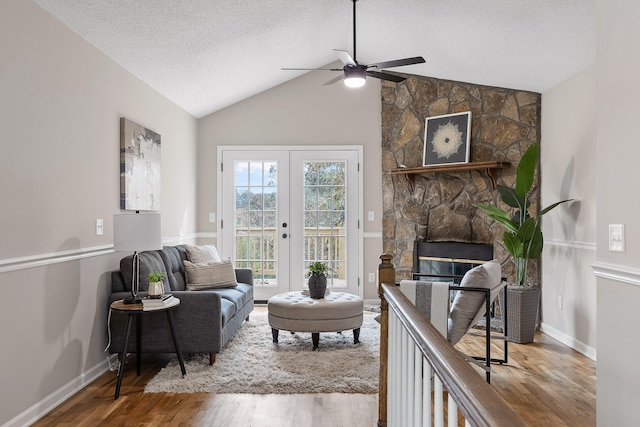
[(156, 284), (317, 279), (523, 240), (150, 303)]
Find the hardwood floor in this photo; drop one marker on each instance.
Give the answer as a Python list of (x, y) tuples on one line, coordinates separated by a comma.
[(545, 382)]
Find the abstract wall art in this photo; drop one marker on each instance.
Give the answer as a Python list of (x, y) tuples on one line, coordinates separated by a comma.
[(139, 167)]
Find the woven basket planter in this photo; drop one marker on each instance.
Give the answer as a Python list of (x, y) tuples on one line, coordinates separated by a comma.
[(522, 313)]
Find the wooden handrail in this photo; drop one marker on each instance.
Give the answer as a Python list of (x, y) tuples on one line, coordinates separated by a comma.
[(478, 401)]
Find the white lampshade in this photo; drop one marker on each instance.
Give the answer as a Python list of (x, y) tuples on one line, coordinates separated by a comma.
[(137, 232)]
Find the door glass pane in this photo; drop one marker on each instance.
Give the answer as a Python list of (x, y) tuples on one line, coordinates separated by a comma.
[(324, 217), (256, 219)]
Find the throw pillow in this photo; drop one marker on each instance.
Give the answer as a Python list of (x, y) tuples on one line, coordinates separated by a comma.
[(210, 275), (467, 304), (202, 254)]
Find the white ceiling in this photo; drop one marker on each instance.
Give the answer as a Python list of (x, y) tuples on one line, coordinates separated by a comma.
[(208, 54)]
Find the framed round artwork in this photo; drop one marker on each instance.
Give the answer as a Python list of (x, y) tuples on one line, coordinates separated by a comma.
[(447, 139)]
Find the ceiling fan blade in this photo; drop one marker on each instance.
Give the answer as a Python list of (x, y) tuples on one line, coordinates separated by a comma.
[(333, 80), (311, 69), (345, 57), (398, 62), (385, 76)]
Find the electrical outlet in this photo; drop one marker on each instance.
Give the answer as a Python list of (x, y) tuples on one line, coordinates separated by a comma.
[(99, 227), (212, 217), (372, 216), (372, 277), (560, 302), (616, 237)]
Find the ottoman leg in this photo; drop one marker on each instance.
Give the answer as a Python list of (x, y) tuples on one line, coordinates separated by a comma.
[(274, 333), (315, 338), (356, 336)]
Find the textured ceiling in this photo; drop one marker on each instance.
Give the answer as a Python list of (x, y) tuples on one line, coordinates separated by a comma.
[(208, 54)]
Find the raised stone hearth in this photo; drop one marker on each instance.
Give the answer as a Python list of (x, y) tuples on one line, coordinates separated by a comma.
[(440, 206)]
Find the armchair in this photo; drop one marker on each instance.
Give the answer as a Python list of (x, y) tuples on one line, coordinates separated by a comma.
[(474, 296)]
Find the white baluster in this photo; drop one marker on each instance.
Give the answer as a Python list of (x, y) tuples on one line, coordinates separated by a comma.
[(411, 372), (427, 390), (404, 374), (452, 412), (417, 389), (438, 403)]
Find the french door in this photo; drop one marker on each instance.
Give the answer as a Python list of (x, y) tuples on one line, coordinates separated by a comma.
[(282, 209)]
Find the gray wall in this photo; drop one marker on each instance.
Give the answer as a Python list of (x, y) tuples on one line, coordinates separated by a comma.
[(60, 104), (568, 164), (618, 151), (301, 112)]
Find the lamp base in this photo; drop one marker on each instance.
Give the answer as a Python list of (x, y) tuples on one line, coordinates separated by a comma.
[(132, 300)]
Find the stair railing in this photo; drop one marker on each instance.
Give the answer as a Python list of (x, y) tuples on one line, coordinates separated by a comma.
[(424, 380)]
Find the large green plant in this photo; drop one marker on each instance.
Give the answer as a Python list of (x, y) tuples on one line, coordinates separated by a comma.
[(523, 236)]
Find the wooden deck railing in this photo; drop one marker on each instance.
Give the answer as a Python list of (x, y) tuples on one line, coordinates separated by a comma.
[(423, 379)]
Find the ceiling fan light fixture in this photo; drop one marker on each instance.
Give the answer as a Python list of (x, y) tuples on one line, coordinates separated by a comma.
[(354, 76)]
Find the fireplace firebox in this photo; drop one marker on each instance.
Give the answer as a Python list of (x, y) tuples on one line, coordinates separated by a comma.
[(444, 261)]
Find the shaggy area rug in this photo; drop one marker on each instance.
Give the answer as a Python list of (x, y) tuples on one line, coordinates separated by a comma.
[(252, 363)]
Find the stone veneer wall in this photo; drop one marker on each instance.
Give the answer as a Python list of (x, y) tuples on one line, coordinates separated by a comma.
[(440, 207)]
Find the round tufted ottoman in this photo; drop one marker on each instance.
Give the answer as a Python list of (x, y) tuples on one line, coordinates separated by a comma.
[(295, 312)]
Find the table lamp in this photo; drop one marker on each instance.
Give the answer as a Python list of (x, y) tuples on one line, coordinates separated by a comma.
[(136, 232)]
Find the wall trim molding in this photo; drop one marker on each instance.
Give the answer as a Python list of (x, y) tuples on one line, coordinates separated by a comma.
[(55, 399), (182, 239), (41, 260), (207, 235), (32, 261), (619, 273), (586, 246), (570, 341)]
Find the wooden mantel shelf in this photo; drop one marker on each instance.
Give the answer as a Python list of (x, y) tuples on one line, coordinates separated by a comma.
[(489, 167)]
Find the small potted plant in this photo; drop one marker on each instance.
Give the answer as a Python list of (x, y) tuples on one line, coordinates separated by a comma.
[(156, 287), (317, 279)]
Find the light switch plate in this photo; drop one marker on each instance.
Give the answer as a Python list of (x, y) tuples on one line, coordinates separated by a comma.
[(212, 217), (99, 227), (616, 237)]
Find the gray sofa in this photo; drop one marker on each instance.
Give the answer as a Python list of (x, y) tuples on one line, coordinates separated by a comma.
[(204, 321)]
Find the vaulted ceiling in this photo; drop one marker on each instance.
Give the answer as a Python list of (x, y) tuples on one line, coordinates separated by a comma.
[(208, 54)]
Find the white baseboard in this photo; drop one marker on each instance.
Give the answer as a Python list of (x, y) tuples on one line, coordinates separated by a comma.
[(46, 405), (578, 346)]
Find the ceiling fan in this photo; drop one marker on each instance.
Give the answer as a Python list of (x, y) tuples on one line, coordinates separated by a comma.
[(354, 74)]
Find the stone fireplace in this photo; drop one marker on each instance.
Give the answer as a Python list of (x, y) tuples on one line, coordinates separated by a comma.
[(439, 206)]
